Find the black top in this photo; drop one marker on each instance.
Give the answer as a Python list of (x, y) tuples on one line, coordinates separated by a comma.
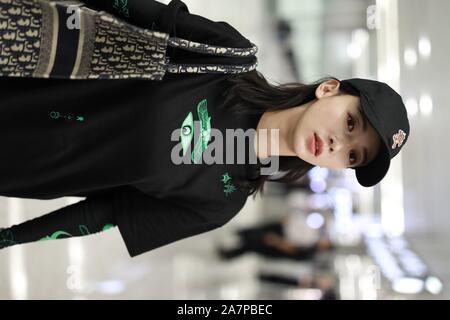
[(113, 138)]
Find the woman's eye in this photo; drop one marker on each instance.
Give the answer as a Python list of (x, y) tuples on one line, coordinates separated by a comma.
[(350, 122), (352, 156)]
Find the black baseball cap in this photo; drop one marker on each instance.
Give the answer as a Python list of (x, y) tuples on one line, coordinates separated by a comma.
[(386, 112)]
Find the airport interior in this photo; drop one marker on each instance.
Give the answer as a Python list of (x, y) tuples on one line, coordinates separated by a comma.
[(387, 242)]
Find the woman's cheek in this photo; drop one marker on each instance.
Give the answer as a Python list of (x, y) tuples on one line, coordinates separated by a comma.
[(330, 163)]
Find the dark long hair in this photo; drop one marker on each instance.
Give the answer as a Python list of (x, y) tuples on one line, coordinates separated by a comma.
[(251, 93)]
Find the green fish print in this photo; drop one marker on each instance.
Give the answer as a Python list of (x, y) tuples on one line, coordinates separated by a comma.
[(187, 132)]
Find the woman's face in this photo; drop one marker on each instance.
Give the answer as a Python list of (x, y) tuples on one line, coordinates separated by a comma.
[(335, 118)]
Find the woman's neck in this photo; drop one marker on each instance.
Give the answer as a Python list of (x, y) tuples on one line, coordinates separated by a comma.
[(269, 142)]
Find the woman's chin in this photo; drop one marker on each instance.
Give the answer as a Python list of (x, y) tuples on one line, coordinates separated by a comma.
[(305, 155), (302, 152), (299, 147)]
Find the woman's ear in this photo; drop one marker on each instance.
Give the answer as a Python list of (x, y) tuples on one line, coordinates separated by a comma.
[(327, 88)]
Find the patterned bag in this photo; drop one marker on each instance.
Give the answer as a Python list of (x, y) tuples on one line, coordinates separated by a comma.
[(66, 40)]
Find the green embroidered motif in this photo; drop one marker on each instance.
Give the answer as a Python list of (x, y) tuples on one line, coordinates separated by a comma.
[(55, 235), (121, 7), (69, 117), (107, 226), (187, 131), (205, 131), (83, 230), (225, 178), (228, 186), (6, 238)]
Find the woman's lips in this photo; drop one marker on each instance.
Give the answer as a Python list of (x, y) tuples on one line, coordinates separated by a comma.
[(312, 144), (315, 142), (319, 143)]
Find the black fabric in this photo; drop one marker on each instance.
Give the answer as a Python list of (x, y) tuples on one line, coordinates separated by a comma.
[(68, 40), (175, 19), (83, 218), (112, 138)]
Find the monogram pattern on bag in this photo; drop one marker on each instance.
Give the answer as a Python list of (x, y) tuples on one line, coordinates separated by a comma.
[(19, 37), (212, 49), (221, 68), (124, 51), (111, 48)]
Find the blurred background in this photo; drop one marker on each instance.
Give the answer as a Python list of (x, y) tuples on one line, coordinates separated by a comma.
[(324, 238)]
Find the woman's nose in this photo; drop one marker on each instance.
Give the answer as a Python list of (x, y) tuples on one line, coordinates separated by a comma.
[(334, 144)]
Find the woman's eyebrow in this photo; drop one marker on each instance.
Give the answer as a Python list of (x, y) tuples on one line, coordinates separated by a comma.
[(364, 122), (364, 161)]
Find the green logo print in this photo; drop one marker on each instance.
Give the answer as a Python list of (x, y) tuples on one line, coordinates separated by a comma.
[(187, 131), (121, 7), (228, 186), (107, 226), (69, 117), (83, 230)]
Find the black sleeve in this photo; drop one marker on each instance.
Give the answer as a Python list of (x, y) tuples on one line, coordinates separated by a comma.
[(173, 18), (91, 215), (146, 222), (176, 20), (142, 13)]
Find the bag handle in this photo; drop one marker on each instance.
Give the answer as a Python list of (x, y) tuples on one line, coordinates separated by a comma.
[(211, 50)]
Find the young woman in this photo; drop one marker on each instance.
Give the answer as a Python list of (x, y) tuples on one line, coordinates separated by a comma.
[(118, 142)]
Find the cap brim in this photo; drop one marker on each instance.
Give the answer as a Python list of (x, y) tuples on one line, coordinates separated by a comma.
[(375, 171)]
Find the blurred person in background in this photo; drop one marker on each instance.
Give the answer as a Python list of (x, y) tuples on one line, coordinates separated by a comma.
[(290, 238)]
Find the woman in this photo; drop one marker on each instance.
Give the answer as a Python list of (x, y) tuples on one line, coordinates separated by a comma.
[(119, 142)]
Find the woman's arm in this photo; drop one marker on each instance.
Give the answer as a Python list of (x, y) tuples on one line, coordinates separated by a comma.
[(176, 20), (144, 222), (173, 18), (147, 223), (142, 13), (92, 215)]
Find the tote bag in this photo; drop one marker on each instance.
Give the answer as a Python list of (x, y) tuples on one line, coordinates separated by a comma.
[(67, 40)]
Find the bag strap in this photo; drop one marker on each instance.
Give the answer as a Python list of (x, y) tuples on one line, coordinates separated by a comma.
[(211, 50)]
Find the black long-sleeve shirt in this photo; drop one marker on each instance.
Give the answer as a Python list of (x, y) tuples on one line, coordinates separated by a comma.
[(113, 138)]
